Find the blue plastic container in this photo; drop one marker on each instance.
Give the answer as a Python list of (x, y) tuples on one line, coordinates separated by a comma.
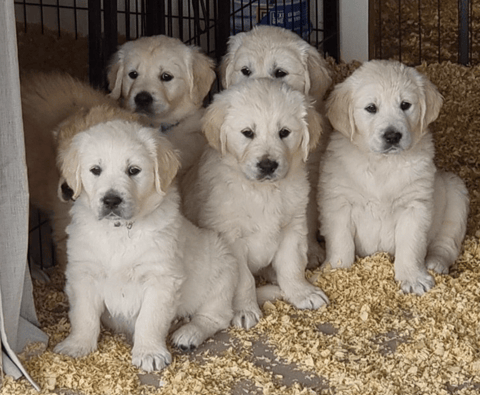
[(289, 14)]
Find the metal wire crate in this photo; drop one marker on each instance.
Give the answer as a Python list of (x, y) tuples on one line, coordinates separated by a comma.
[(206, 23), (431, 31)]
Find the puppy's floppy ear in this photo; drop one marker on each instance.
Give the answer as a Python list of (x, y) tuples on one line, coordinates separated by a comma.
[(203, 75), (315, 130), (68, 161), (227, 65), (213, 124), (64, 192), (317, 74), (115, 74), (340, 110), (167, 164), (431, 105), (225, 70)]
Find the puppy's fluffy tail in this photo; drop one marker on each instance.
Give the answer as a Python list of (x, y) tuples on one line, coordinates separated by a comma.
[(268, 293), (48, 98)]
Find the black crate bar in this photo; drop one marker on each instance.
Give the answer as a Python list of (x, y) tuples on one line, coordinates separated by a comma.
[(463, 32), (101, 45), (95, 58), (154, 17), (331, 28), (222, 31)]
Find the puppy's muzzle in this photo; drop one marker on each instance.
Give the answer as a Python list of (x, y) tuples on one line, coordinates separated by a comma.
[(111, 205), (266, 168), (391, 139), (143, 102)]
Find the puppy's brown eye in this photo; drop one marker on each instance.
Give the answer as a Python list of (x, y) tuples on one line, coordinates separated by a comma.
[(405, 105), (133, 74), (279, 73), (96, 170), (371, 108), (133, 171), (246, 71), (284, 133), (248, 133), (166, 77)]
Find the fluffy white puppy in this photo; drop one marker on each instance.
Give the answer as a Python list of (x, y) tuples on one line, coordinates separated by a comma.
[(251, 186), (167, 81), (379, 188), (132, 257), (277, 53), (47, 100), (161, 77)]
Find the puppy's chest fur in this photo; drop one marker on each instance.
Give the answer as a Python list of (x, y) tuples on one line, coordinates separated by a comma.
[(255, 213), (378, 189), (124, 261)]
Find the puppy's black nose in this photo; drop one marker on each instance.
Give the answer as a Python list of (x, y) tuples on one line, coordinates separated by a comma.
[(392, 136), (267, 166), (143, 99), (112, 201)]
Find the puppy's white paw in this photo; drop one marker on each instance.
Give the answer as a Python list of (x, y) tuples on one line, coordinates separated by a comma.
[(151, 358), (188, 337), (437, 263), (247, 319), (337, 262), (75, 347), (423, 283), (313, 300)]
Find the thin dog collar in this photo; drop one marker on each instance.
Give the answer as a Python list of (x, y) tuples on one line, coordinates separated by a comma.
[(166, 127)]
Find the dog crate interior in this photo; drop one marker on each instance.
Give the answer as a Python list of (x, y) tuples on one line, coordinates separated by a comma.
[(101, 26), (425, 31)]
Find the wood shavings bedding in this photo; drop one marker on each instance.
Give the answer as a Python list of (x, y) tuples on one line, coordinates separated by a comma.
[(371, 339)]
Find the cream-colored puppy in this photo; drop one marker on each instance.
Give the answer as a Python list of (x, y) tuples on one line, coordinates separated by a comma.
[(167, 81), (277, 53), (379, 187), (47, 100), (132, 256), (251, 186), (161, 77)]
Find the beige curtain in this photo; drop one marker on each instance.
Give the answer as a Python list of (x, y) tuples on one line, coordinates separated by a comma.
[(18, 322)]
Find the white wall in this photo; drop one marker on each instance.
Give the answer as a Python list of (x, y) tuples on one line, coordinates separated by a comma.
[(354, 30)]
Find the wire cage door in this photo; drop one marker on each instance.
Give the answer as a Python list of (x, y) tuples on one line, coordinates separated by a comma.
[(205, 23), (425, 31)]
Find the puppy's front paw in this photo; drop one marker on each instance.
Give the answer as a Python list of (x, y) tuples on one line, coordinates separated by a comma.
[(75, 347), (337, 262), (423, 283), (188, 337), (312, 300), (437, 263), (247, 319), (151, 358)]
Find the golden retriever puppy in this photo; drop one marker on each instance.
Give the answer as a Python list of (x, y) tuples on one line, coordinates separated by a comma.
[(47, 100), (132, 256), (379, 187), (277, 53), (165, 80), (251, 186), (161, 77)]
